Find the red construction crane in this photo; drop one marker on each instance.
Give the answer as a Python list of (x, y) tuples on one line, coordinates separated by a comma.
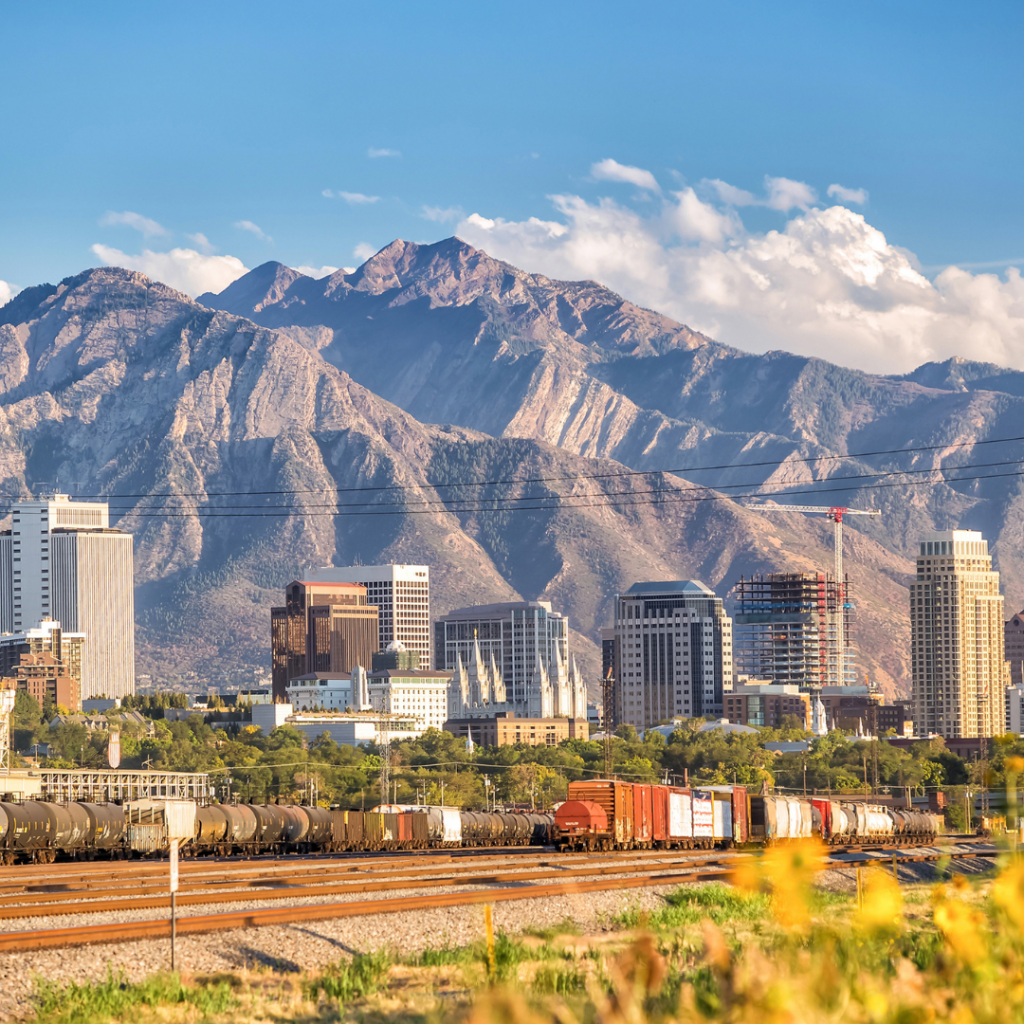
[(836, 514)]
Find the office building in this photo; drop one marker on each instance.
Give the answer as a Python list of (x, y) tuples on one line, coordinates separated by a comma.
[(515, 635), (61, 560), (325, 627), (401, 594), (1015, 710), (673, 650), (958, 663), (505, 729), (760, 702), (1014, 648)]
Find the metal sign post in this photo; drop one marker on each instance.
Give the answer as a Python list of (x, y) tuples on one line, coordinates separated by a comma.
[(174, 891)]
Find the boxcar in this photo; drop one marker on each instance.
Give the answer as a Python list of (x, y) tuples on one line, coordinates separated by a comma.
[(616, 800)]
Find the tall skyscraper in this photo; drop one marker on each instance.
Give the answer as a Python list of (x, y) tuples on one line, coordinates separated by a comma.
[(673, 651), (322, 627), (401, 594), (958, 664), (514, 633), (61, 560)]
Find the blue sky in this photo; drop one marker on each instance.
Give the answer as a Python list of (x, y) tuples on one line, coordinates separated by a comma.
[(198, 118)]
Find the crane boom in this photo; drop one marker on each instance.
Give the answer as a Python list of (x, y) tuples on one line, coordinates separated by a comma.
[(836, 513)]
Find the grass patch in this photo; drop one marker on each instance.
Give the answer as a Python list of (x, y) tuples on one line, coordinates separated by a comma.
[(357, 978), (564, 927), (559, 981), (691, 904), (115, 998)]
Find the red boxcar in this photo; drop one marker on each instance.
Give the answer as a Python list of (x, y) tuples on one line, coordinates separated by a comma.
[(643, 815), (616, 800), (824, 808), (659, 815)]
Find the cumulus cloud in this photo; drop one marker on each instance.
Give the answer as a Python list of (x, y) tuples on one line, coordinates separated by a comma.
[(612, 170), (7, 292), (247, 225), (784, 194), (848, 195), (318, 272), (825, 284), (187, 270), (442, 214), (201, 242), (730, 194), (375, 154), (141, 224), (363, 251)]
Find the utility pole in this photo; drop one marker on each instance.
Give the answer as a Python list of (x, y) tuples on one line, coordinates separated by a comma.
[(608, 702), (385, 764)]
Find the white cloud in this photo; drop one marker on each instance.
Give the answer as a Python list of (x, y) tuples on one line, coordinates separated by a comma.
[(187, 270), (141, 224), (7, 292), (247, 225), (357, 197), (826, 284), (374, 154), (442, 214), (612, 170), (784, 194), (201, 242), (849, 195), (317, 272), (363, 251), (730, 194)]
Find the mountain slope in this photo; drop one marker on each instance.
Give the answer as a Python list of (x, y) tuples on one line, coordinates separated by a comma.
[(119, 386)]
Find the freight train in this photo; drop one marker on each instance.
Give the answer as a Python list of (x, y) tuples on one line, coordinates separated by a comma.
[(40, 831), (603, 814)]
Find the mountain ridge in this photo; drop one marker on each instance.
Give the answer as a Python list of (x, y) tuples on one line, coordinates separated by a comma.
[(441, 366)]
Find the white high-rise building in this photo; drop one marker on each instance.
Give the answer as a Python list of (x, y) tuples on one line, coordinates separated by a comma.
[(672, 652), (62, 561), (401, 594), (958, 660)]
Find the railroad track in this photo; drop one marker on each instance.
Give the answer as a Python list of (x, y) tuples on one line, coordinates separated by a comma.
[(517, 886)]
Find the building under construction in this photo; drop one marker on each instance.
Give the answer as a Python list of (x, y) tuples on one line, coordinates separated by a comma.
[(785, 629)]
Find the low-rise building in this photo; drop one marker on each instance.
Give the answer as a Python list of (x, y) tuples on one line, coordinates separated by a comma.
[(760, 702), (46, 662), (505, 729), (353, 729), (320, 691), (421, 694)]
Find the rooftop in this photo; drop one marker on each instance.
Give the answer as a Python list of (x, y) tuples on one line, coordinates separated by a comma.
[(694, 587)]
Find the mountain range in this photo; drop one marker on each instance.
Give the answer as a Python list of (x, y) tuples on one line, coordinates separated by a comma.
[(432, 370)]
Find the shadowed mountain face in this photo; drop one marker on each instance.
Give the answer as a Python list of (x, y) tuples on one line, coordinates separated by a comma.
[(307, 391)]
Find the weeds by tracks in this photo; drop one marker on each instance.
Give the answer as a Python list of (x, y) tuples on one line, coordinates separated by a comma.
[(769, 948)]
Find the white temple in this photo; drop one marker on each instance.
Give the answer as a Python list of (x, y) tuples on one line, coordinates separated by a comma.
[(478, 691)]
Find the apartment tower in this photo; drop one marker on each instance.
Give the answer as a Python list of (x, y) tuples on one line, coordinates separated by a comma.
[(402, 596), (672, 651), (958, 664), (61, 561)]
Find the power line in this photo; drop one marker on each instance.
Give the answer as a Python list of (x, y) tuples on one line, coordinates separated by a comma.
[(562, 501), (601, 494), (552, 479)]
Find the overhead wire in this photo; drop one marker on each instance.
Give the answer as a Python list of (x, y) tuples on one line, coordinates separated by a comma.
[(624, 474)]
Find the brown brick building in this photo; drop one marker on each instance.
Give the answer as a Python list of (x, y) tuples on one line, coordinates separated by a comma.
[(322, 627), (767, 704), (46, 662)]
